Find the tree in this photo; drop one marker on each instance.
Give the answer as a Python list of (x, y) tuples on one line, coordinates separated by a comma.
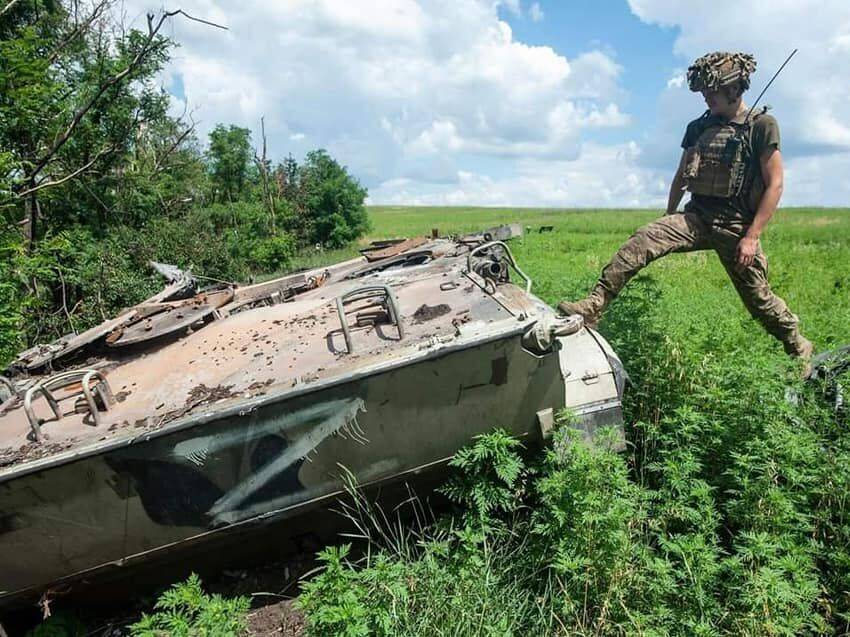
[(86, 147), (74, 93), (229, 157), (332, 203)]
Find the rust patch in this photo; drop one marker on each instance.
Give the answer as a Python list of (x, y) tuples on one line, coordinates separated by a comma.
[(203, 395), (394, 249), (430, 312), (33, 451)]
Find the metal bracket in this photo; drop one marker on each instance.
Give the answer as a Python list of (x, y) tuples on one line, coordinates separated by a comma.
[(546, 423), (384, 297), (510, 257)]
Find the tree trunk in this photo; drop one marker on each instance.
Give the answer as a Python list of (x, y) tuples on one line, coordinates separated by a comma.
[(32, 210)]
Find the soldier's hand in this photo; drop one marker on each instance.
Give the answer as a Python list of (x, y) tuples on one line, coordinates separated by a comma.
[(747, 250)]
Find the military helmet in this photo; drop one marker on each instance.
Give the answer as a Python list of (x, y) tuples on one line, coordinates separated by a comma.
[(721, 68)]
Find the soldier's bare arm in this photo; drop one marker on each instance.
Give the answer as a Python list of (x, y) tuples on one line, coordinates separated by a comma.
[(677, 187), (773, 176)]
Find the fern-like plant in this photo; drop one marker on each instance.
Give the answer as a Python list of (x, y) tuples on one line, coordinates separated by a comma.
[(490, 477), (185, 610)]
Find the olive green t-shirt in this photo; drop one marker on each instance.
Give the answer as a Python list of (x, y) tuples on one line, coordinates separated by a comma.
[(742, 208)]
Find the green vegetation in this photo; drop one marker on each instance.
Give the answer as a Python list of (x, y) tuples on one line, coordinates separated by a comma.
[(727, 515), (96, 178), (185, 610)]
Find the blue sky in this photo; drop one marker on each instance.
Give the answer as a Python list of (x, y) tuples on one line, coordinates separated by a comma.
[(645, 51), (511, 102)]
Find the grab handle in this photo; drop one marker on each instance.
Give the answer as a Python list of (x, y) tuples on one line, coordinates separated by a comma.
[(385, 297)]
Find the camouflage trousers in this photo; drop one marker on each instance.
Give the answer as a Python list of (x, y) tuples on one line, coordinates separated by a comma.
[(687, 232)]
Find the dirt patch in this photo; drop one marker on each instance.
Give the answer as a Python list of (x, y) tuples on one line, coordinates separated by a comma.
[(281, 618), (256, 385), (198, 396), (271, 588), (430, 312)]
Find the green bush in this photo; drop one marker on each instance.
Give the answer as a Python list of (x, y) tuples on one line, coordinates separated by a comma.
[(274, 253), (59, 625), (331, 202), (185, 610)]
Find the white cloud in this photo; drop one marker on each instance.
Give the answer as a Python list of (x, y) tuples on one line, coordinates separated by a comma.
[(536, 13), (436, 101), (514, 6), (597, 176), (396, 89), (677, 80)]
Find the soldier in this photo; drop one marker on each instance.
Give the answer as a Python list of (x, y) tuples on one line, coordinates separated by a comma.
[(732, 167)]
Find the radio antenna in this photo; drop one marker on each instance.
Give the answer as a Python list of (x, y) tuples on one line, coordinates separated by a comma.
[(764, 90)]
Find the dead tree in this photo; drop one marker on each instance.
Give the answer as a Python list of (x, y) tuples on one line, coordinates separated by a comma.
[(263, 168)]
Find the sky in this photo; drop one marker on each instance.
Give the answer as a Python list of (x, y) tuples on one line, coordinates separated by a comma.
[(560, 103)]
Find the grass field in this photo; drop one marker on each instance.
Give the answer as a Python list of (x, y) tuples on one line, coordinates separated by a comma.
[(808, 251)]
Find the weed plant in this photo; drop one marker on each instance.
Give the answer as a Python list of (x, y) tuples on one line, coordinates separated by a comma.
[(727, 515), (185, 610)]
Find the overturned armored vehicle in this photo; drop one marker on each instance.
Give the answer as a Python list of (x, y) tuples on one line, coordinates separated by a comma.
[(197, 414)]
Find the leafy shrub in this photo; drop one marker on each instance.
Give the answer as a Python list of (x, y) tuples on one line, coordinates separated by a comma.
[(332, 202), (729, 528), (185, 610), (274, 253), (489, 476)]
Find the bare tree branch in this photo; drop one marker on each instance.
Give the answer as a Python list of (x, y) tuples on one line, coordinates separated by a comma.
[(80, 28), (263, 167), (153, 30), (193, 18), (8, 7), (158, 165), (65, 300), (69, 176)]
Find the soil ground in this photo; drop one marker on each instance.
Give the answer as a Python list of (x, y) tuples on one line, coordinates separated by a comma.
[(279, 618)]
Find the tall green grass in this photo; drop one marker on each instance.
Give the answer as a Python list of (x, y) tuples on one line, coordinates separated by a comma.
[(727, 515)]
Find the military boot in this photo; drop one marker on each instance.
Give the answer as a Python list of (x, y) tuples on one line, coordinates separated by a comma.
[(590, 308), (802, 348)]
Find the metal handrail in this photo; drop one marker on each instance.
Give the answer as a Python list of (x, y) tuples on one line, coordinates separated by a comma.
[(84, 377), (511, 261), (103, 390), (14, 396), (364, 293)]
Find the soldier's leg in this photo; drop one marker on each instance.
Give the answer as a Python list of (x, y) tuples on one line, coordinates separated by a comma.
[(762, 303), (671, 233)]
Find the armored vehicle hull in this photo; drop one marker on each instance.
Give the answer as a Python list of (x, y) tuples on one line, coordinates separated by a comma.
[(382, 366)]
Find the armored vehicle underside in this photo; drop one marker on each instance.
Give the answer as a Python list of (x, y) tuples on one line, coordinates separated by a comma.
[(194, 414)]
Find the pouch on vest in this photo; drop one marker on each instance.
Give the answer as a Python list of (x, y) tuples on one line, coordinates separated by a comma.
[(716, 165)]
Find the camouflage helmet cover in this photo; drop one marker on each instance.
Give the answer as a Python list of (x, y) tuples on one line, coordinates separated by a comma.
[(721, 68)]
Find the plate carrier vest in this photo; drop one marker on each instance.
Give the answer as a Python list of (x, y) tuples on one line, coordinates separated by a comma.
[(719, 164)]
